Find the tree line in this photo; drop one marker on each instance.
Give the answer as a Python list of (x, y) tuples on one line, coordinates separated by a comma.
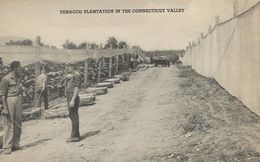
[(112, 43), (20, 42)]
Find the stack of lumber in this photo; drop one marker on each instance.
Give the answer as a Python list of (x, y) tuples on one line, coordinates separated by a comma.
[(56, 113), (31, 114), (113, 80), (126, 76), (123, 76), (105, 84), (87, 99), (96, 90)]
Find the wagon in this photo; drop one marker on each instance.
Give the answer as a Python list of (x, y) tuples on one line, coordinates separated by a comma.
[(161, 60)]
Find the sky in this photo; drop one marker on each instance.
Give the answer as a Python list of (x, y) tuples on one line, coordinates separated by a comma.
[(29, 18)]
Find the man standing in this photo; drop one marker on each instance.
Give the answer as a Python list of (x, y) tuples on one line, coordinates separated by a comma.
[(11, 94), (42, 88), (72, 85)]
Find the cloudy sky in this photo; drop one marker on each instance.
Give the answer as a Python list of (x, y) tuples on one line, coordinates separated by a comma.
[(29, 18)]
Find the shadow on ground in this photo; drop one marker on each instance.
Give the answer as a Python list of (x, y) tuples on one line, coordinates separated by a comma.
[(35, 143), (24, 147), (89, 134)]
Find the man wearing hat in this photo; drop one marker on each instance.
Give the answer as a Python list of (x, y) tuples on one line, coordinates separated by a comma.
[(72, 85)]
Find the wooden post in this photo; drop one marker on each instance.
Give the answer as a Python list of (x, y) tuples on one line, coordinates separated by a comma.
[(129, 60), (86, 73), (235, 8), (117, 59), (37, 72), (110, 67), (99, 70), (123, 60), (217, 20)]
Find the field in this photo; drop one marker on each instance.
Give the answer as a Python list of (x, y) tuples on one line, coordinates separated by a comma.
[(161, 114)]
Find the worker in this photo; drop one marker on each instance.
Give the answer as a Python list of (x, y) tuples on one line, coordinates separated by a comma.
[(11, 95), (41, 87), (72, 86)]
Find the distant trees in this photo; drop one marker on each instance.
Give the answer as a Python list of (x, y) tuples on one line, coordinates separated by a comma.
[(137, 48), (122, 44), (69, 45), (111, 43), (27, 42), (82, 45), (114, 44), (93, 46)]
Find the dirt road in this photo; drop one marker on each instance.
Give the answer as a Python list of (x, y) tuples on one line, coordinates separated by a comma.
[(161, 114)]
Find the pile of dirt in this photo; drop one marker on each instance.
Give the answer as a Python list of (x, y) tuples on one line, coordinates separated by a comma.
[(216, 125), (194, 122)]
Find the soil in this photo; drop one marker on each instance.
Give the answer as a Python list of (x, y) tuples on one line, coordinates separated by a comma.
[(161, 114)]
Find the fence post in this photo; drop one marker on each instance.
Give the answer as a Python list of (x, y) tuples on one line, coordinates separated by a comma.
[(86, 73), (99, 70), (123, 60), (216, 20), (37, 72), (210, 29), (235, 8), (129, 61), (110, 67), (117, 59), (201, 35)]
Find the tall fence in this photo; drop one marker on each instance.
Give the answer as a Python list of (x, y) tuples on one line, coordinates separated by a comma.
[(94, 65), (31, 54), (230, 53)]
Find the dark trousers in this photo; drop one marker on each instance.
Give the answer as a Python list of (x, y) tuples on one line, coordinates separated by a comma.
[(74, 116), (42, 94)]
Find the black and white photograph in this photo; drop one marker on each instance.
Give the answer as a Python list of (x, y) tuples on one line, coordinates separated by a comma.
[(129, 81)]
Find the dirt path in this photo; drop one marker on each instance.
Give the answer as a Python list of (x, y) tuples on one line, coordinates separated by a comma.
[(161, 114)]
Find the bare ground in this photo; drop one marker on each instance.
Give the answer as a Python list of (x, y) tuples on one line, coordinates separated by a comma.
[(161, 114)]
